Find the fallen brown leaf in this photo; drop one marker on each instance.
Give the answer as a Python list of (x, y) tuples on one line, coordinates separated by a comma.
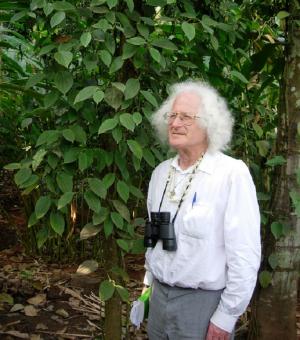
[(37, 300), (30, 311), (62, 313), (16, 307)]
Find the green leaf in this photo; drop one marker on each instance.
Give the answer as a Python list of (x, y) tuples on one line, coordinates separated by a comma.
[(112, 3), (64, 182), (137, 118), (295, 196), (263, 147), (105, 57), (132, 88), (63, 6), (113, 97), (108, 125), (51, 98), (108, 227), (123, 244), (282, 15), (57, 18), (22, 176), (117, 219), (32, 220), (46, 49), (34, 79), (127, 121), (123, 292), (68, 134), (63, 81), (138, 246), (99, 218), (116, 65), (122, 210), (82, 161), (259, 131), (12, 166), (108, 180), (80, 134), (155, 54), (130, 5), (30, 184), (92, 201), (129, 51), (71, 155), (136, 192), (85, 93), (215, 44), (42, 206), (189, 30), (277, 160), (97, 186), (150, 98), (48, 137), (65, 199), (57, 222), (135, 148), (239, 76), (136, 41), (273, 260), (89, 230), (106, 290), (123, 190), (42, 236), (265, 278), (164, 43), (38, 158), (64, 58), (276, 229), (85, 38), (98, 96), (148, 156)]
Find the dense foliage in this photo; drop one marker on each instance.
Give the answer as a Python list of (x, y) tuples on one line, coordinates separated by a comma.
[(79, 82)]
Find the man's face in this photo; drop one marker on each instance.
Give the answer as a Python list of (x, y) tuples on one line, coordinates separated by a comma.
[(183, 136)]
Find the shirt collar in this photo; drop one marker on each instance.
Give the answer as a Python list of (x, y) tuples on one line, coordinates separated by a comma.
[(207, 164)]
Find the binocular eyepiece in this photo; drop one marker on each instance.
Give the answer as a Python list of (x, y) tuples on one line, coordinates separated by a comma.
[(160, 228)]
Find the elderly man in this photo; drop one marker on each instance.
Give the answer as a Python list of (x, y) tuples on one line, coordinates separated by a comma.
[(202, 264)]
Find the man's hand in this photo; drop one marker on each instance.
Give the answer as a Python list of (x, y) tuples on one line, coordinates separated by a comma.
[(216, 333)]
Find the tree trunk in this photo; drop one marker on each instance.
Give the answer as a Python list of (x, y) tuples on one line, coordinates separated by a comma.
[(275, 306), (113, 307)]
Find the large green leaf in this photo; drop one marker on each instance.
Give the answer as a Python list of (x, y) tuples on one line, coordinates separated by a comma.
[(106, 290), (85, 38), (57, 222), (123, 190), (85, 93), (65, 199), (189, 30), (108, 125), (22, 176), (135, 148), (132, 88), (92, 201), (57, 18), (42, 206), (164, 43), (126, 120), (122, 209), (64, 58), (63, 81), (97, 186), (64, 182), (117, 219)]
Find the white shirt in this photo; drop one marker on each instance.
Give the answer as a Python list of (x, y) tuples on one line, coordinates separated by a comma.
[(218, 235)]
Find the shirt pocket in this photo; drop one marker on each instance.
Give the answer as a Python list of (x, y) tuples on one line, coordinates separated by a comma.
[(198, 222)]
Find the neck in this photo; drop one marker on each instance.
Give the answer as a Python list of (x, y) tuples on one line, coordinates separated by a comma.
[(189, 157)]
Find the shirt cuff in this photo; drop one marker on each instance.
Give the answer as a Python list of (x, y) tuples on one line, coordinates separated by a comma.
[(223, 321), (148, 278)]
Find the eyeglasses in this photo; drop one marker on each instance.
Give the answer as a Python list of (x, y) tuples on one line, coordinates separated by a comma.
[(184, 117)]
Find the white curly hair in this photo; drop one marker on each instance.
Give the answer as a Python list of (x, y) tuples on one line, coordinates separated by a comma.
[(214, 115)]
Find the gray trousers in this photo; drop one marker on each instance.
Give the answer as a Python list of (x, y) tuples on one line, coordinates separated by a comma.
[(180, 313)]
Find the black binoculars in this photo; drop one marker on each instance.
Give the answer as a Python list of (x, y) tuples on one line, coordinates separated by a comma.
[(160, 228)]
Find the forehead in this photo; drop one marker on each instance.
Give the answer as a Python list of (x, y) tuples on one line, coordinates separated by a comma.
[(186, 102)]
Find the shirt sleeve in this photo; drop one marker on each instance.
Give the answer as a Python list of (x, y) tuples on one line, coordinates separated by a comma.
[(242, 247), (148, 278)]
